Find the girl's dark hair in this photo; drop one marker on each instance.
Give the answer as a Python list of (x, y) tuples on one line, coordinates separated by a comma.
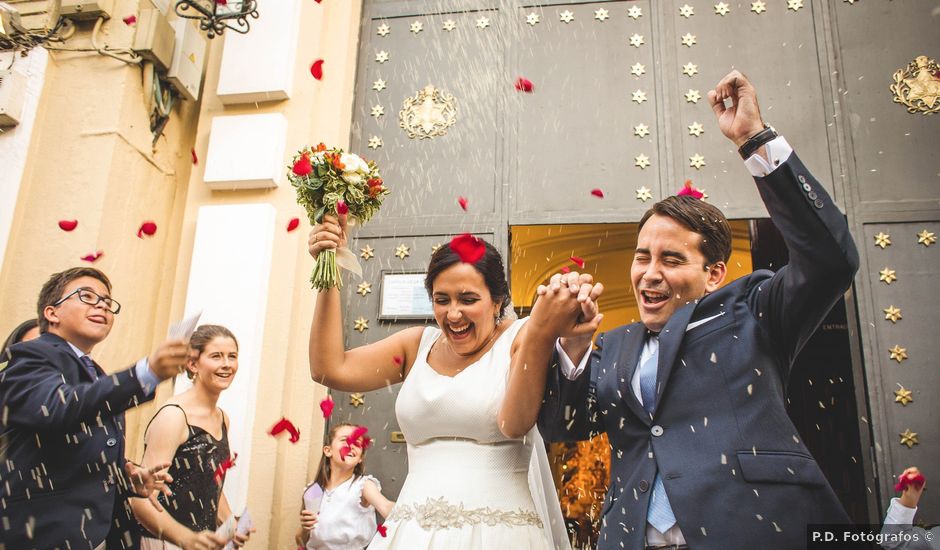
[(205, 334), (490, 266), (323, 470), (14, 338)]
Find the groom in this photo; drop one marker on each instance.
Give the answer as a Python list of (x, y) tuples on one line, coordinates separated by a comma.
[(692, 398)]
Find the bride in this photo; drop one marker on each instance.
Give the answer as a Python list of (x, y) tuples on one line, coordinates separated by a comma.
[(471, 390)]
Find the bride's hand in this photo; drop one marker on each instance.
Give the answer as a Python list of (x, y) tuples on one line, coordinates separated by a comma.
[(330, 234)]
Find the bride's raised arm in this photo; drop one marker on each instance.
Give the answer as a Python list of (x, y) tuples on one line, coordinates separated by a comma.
[(365, 368), (567, 308)]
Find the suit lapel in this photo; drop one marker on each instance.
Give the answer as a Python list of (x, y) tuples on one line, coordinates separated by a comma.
[(58, 342), (630, 348), (670, 340)]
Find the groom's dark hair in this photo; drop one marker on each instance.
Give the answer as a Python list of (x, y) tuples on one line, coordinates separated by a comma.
[(490, 266), (700, 217)]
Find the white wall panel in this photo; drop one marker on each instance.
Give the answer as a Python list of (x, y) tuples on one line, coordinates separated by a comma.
[(14, 141), (246, 151), (259, 65), (228, 282)]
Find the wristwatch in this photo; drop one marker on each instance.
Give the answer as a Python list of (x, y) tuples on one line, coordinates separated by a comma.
[(757, 141)]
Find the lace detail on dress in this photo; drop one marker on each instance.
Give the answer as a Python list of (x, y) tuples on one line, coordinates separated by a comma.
[(440, 514)]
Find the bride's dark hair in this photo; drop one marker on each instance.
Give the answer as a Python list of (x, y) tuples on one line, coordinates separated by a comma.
[(323, 470), (490, 266)]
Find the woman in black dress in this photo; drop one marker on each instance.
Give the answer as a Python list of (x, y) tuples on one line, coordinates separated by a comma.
[(191, 431)]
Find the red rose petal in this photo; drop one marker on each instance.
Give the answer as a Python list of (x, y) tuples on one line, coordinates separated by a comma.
[(342, 208), (916, 480), (193, 153), (302, 166), (317, 69), (92, 258), (327, 407), (285, 424), (524, 85), (221, 2), (68, 225), (690, 191), (578, 260), (597, 193), (226, 465), (381, 528), (292, 224), (343, 452), (130, 20), (566, 269), (469, 248), (398, 360), (146, 228), (462, 201)]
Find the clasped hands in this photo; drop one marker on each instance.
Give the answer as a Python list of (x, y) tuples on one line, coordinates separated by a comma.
[(567, 306)]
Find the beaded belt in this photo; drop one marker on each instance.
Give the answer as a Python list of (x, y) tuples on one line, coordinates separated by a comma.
[(440, 514)]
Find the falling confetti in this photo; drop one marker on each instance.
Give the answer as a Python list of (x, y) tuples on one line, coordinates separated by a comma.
[(130, 20), (68, 225), (293, 224), (226, 465), (462, 201), (690, 191), (578, 261), (326, 406), (597, 193), (382, 530), (192, 152), (469, 248), (524, 85), (910, 480), (147, 228), (317, 69), (285, 424), (92, 258)]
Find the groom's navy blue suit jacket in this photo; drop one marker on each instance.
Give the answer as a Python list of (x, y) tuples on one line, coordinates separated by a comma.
[(734, 467), (62, 447)]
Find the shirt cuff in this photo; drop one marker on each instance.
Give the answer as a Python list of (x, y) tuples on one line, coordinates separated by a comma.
[(568, 368), (898, 514), (778, 151), (148, 380)]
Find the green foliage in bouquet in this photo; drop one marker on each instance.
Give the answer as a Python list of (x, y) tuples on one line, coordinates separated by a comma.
[(331, 181)]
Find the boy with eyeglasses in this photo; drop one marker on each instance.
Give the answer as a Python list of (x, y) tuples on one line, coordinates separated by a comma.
[(63, 476)]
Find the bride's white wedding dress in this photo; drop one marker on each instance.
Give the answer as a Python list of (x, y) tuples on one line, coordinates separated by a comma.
[(468, 485)]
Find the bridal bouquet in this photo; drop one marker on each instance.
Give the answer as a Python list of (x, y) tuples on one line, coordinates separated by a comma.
[(329, 181)]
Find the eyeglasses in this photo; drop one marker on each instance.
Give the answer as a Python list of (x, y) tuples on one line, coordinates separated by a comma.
[(91, 298)]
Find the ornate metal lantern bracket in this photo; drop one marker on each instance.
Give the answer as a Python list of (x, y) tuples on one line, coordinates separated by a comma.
[(215, 16)]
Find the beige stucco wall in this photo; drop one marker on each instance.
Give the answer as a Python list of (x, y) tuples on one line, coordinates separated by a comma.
[(90, 158), (317, 111)]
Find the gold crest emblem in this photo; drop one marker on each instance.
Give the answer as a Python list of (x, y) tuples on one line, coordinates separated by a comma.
[(428, 114), (917, 86)]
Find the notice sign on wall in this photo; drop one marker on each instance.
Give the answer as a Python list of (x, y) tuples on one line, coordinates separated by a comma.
[(403, 297)]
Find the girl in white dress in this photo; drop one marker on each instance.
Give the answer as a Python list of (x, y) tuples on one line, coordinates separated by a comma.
[(472, 390), (343, 514)]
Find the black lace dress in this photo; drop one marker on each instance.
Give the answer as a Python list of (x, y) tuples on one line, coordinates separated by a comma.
[(196, 491)]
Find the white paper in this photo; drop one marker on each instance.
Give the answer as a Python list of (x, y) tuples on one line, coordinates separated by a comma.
[(312, 498), (184, 329), (244, 525), (227, 529)]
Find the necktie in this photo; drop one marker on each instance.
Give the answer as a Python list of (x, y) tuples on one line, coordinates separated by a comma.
[(659, 514), (89, 366)]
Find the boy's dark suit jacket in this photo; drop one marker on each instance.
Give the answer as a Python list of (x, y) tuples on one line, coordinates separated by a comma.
[(62, 482)]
